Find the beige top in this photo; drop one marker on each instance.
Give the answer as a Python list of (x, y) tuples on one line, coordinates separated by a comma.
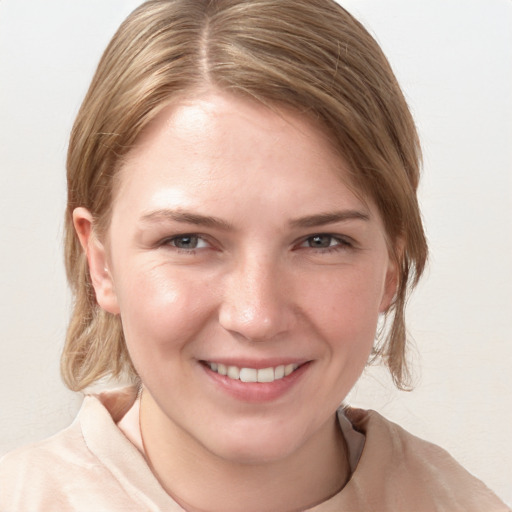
[(92, 465)]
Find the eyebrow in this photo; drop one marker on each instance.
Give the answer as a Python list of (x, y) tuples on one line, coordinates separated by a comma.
[(322, 219), (186, 217)]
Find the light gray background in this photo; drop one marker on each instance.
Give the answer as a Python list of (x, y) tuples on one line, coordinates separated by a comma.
[(454, 61)]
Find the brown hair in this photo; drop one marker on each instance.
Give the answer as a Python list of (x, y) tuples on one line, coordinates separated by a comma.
[(310, 55)]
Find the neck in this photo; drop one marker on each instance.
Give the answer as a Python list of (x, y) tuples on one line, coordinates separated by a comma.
[(201, 481)]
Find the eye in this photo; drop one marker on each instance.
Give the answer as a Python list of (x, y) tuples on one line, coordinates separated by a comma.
[(321, 241), (326, 242), (186, 242)]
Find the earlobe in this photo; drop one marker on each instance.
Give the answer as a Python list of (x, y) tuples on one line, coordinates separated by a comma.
[(94, 250)]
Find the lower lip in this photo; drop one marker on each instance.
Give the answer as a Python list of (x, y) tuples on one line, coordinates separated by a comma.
[(257, 392)]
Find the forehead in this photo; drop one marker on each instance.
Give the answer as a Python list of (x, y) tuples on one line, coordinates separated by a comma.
[(219, 140)]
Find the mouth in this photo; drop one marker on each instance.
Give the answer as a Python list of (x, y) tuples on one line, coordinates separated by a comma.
[(245, 374)]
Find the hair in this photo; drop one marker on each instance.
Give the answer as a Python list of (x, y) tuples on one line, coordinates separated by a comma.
[(308, 55)]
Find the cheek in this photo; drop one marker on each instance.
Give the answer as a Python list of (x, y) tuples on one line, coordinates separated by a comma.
[(162, 310), (345, 306)]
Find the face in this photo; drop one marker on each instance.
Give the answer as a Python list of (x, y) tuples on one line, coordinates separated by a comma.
[(235, 246)]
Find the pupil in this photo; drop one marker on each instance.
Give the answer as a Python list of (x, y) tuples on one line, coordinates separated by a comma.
[(321, 241), (186, 242)]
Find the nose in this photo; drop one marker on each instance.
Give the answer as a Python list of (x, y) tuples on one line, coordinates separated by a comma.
[(256, 302)]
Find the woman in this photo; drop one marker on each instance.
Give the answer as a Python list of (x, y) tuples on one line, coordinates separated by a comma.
[(241, 213)]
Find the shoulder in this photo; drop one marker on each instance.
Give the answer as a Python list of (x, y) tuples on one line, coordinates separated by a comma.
[(67, 445), (61, 472), (50, 466), (406, 471)]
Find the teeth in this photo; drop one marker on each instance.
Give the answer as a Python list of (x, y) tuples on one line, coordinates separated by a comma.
[(266, 375), (248, 375), (233, 372), (289, 368), (278, 372), (252, 374)]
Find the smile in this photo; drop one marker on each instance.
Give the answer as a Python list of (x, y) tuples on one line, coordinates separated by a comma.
[(252, 374)]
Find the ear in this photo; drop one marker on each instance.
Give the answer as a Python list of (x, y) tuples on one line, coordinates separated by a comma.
[(101, 277), (390, 286), (392, 275)]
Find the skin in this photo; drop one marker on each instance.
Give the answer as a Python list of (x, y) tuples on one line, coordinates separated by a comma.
[(252, 287)]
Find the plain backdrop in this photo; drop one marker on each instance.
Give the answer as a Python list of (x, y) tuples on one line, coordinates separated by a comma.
[(454, 61)]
